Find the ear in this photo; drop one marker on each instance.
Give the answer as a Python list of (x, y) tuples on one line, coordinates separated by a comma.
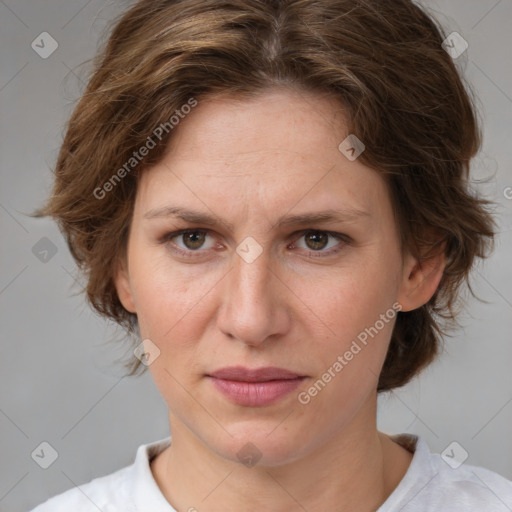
[(420, 280), (123, 286)]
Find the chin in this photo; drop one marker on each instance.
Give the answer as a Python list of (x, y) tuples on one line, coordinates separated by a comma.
[(262, 444)]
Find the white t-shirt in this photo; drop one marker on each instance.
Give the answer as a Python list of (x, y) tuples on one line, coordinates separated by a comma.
[(429, 485)]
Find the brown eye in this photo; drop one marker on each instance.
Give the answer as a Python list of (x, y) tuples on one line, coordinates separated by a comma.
[(316, 240), (188, 241), (193, 240)]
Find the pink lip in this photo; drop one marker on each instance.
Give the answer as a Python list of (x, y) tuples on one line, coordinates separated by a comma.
[(256, 375), (258, 387)]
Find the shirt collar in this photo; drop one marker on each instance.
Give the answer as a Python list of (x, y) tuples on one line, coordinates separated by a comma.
[(145, 493)]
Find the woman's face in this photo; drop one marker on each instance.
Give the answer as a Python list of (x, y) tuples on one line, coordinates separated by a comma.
[(254, 288)]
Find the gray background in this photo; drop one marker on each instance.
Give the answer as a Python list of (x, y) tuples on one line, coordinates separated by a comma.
[(58, 381)]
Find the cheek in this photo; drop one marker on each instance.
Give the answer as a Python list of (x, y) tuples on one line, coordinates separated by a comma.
[(350, 357), (354, 298), (167, 295), (173, 307), (350, 305)]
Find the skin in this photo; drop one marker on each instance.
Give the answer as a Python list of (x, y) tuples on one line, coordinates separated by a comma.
[(249, 162)]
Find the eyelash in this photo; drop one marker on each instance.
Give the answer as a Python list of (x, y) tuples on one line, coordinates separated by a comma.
[(344, 239)]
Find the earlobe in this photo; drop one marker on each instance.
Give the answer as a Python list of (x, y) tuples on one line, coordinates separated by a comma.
[(420, 281), (123, 288)]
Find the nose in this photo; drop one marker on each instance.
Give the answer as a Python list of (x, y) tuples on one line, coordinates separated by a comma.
[(256, 302)]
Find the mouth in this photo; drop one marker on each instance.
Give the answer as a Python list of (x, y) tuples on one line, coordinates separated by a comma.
[(265, 374), (255, 387)]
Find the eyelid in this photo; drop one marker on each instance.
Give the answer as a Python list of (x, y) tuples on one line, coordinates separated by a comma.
[(341, 237), (168, 236)]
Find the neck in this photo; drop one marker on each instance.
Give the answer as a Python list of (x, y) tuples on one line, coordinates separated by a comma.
[(354, 470)]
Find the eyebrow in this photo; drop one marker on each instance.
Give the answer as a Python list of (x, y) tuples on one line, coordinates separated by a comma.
[(197, 217)]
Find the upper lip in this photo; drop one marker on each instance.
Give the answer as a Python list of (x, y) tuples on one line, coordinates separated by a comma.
[(266, 373)]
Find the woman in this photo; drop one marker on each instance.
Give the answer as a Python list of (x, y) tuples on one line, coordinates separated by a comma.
[(271, 198)]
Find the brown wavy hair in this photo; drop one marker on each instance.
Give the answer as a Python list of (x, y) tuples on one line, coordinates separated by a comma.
[(382, 60)]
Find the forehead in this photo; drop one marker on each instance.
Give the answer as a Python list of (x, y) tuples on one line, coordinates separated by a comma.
[(277, 150), (231, 128)]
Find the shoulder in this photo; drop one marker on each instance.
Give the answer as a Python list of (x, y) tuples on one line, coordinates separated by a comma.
[(121, 491), (436, 482), (99, 493), (469, 487)]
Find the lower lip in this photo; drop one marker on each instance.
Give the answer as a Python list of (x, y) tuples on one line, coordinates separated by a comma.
[(253, 394)]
